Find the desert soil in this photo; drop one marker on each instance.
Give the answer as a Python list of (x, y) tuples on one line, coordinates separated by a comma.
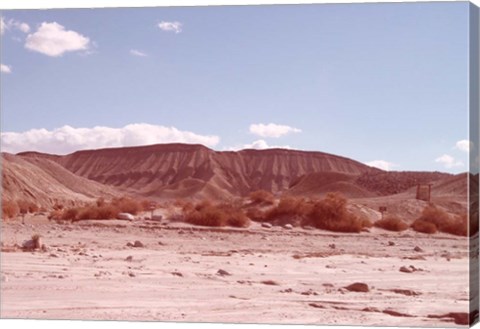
[(254, 275)]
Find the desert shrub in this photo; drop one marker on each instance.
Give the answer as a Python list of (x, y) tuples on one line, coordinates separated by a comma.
[(331, 214), (442, 222), (256, 214), (391, 223), (261, 196), (55, 215), (9, 209), (423, 226), (435, 216), (70, 214), (125, 204), (100, 202), (107, 211), (207, 214), (288, 207), (58, 206)]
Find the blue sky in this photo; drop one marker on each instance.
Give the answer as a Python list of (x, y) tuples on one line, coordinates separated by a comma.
[(373, 82)]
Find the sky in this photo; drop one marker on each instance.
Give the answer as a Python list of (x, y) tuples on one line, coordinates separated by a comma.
[(383, 84)]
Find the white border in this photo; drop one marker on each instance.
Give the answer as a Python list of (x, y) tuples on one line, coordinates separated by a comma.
[(46, 4)]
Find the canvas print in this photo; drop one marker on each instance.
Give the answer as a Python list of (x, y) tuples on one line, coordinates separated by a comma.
[(272, 164)]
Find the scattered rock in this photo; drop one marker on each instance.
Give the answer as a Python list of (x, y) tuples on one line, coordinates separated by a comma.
[(332, 246), (33, 244), (316, 305), (409, 269), (177, 274), (129, 244), (129, 258), (125, 216), (131, 274), (309, 292), (160, 243), (288, 226), (358, 287), (405, 269), (391, 243), (417, 249), (395, 313), (405, 292), (289, 290), (138, 244), (53, 255), (221, 272), (267, 225), (370, 309), (458, 317), (270, 283)]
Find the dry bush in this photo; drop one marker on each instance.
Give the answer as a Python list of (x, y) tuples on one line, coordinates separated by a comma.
[(58, 206), (70, 214), (331, 214), (207, 214), (107, 211), (126, 204), (25, 206), (100, 202), (288, 207), (442, 222), (256, 214), (262, 196), (9, 209), (391, 223), (55, 215), (422, 226)]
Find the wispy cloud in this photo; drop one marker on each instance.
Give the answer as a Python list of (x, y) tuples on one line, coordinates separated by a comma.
[(382, 164), (138, 53), (170, 26), (68, 139), (52, 39), (464, 145), (272, 130), (257, 145), (13, 24), (5, 68), (448, 161)]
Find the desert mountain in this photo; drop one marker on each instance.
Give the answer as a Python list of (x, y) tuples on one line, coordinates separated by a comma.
[(194, 171)]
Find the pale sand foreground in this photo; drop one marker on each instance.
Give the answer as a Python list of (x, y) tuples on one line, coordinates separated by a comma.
[(87, 274)]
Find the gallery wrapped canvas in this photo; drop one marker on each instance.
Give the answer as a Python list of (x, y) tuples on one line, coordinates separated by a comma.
[(266, 164)]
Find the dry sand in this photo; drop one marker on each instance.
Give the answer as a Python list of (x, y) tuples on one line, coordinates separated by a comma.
[(254, 275)]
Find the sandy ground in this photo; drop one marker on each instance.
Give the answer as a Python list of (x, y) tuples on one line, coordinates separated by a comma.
[(254, 275)]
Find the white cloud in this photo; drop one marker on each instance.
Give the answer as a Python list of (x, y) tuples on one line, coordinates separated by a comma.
[(448, 161), (257, 145), (381, 164), (52, 39), (3, 26), (170, 26), (68, 139), (5, 68), (12, 23), (464, 145), (272, 130), (138, 53)]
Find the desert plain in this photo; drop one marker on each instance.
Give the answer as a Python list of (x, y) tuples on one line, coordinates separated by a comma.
[(273, 269), (254, 275)]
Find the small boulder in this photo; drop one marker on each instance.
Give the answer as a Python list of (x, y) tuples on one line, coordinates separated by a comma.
[(405, 269), (129, 258), (221, 272), (358, 287), (391, 243), (288, 226), (266, 225), (332, 246), (417, 249), (125, 216), (138, 244)]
